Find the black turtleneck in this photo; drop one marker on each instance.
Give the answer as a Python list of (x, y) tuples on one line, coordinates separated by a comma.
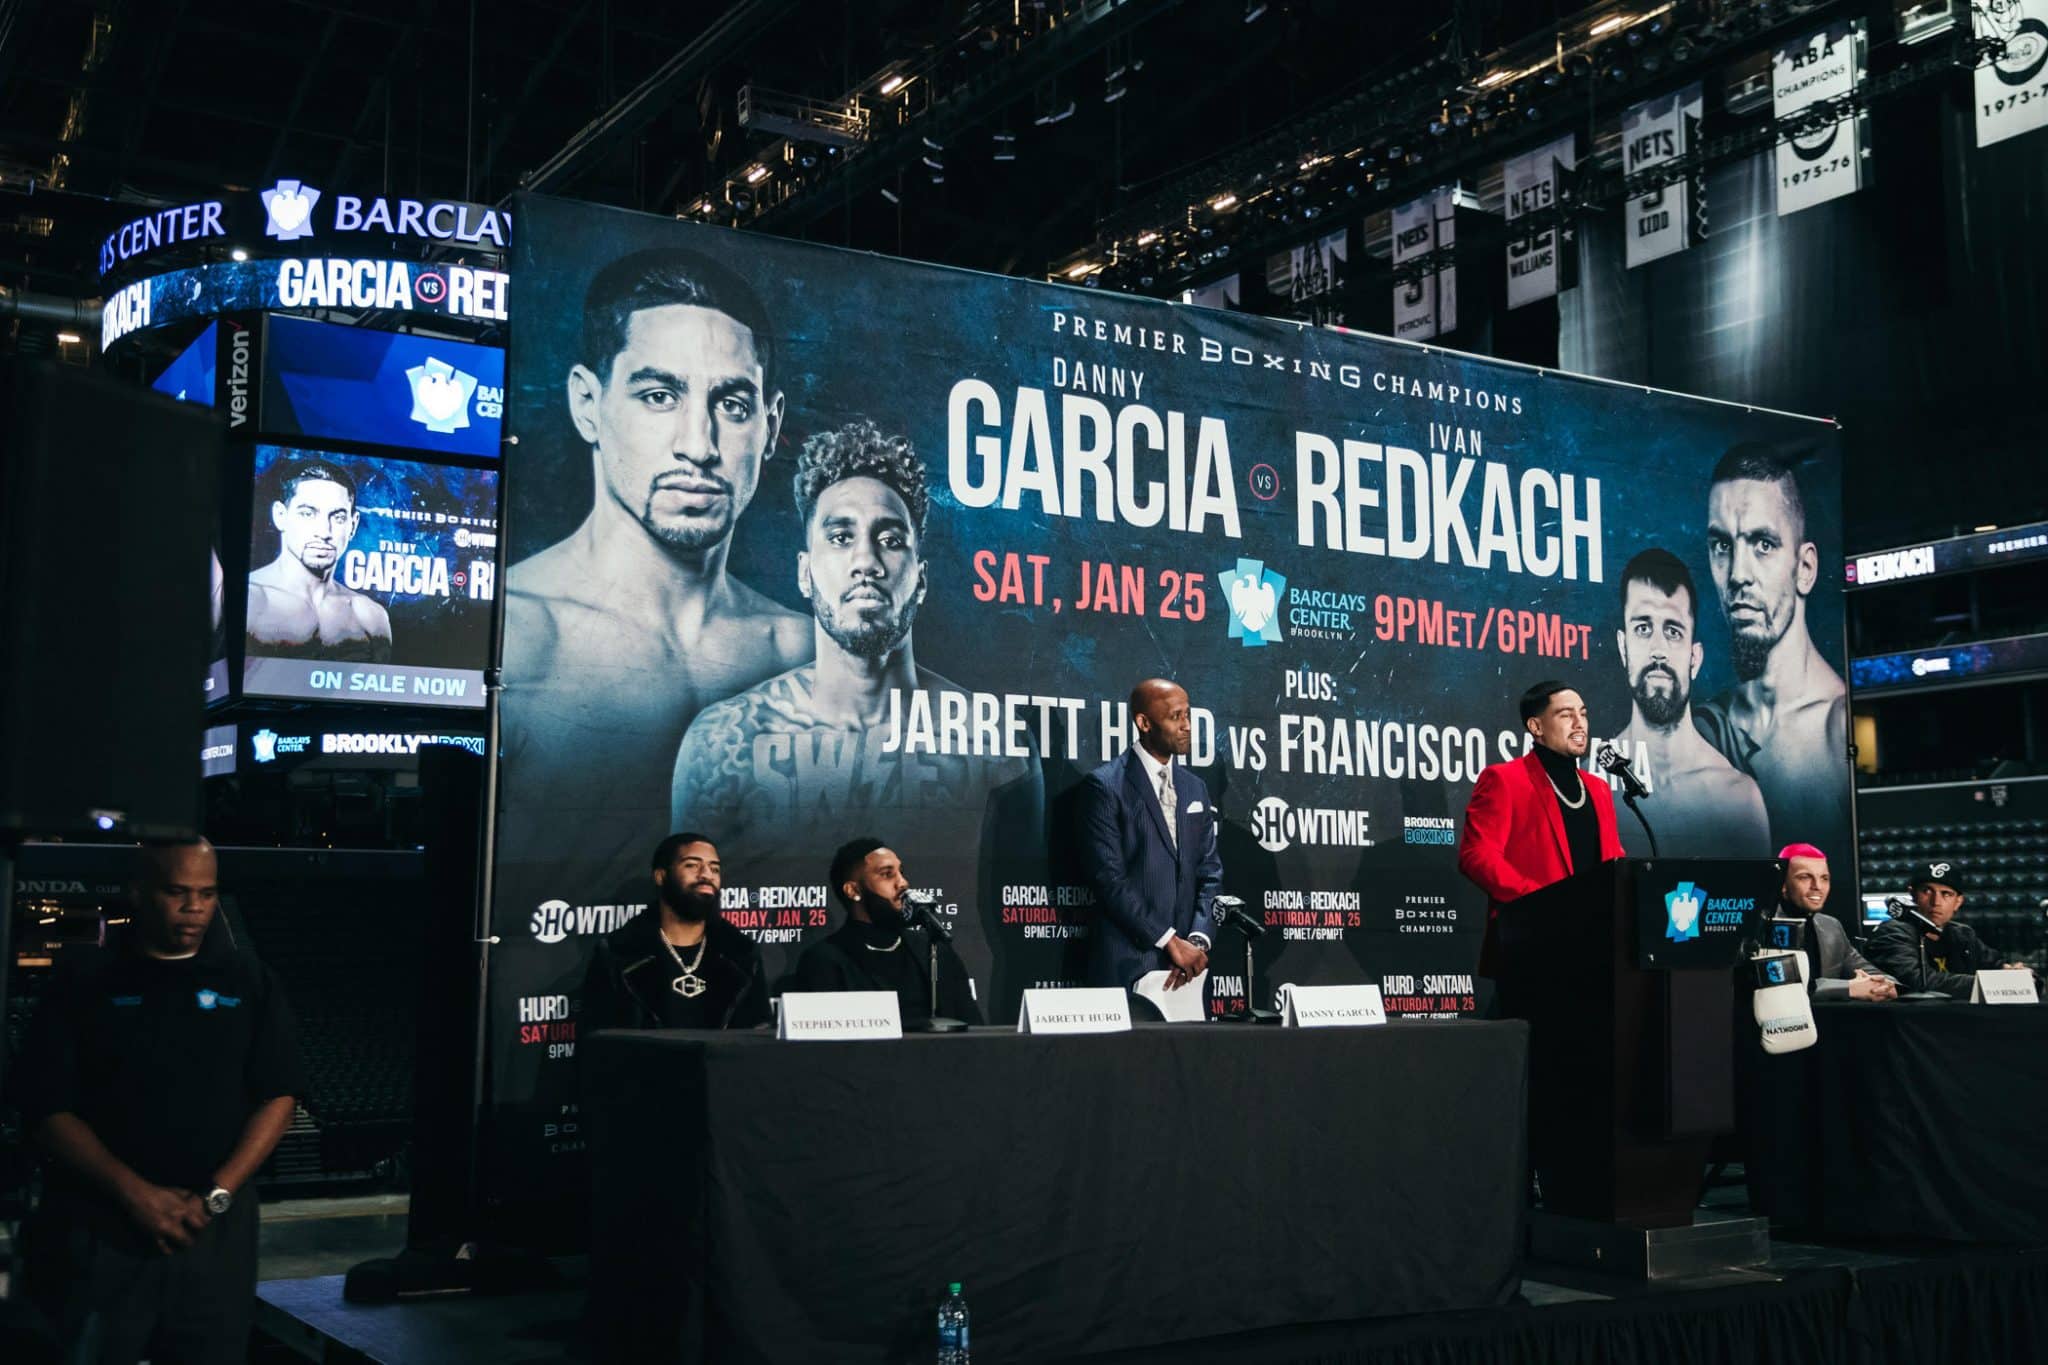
[(1581, 826)]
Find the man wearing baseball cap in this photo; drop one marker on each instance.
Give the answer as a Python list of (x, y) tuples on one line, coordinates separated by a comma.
[(1839, 971), (1927, 948)]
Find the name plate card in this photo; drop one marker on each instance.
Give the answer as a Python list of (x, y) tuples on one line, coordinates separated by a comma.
[(813, 1015), (2005, 986), (1075, 1009), (1331, 1006)]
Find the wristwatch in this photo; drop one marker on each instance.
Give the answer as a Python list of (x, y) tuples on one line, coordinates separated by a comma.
[(219, 1200)]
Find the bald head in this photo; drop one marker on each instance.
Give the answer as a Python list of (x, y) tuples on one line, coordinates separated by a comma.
[(176, 890), (1159, 708)]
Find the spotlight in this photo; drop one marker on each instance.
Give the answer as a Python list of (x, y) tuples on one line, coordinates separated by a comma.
[(1147, 237), (743, 201), (1144, 281), (1222, 250), (238, 255), (1461, 117), (894, 83), (756, 174), (1223, 201), (807, 159)]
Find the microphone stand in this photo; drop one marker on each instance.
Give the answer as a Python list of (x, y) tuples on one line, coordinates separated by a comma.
[(1230, 910), (933, 932), (1629, 798)]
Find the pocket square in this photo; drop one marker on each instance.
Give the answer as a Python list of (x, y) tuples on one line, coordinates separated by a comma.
[(1194, 808)]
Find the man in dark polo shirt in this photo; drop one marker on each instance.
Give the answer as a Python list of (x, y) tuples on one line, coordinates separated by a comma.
[(158, 1075)]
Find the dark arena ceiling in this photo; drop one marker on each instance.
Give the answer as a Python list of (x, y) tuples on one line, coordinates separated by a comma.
[(1094, 107)]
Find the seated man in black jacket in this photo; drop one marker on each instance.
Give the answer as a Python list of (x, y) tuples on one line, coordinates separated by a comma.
[(677, 964), (1927, 948), (872, 951)]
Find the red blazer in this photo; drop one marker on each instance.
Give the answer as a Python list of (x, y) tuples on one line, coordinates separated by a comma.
[(1513, 842)]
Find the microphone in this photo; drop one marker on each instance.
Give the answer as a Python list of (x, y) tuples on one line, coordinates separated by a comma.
[(920, 910), (1230, 910), (1907, 911), (1612, 760)]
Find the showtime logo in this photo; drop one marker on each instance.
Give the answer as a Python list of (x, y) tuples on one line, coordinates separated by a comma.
[(1276, 825), (554, 921)]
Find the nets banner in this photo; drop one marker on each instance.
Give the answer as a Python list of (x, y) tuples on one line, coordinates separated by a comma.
[(1531, 184), (1652, 133), (809, 544), (1426, 230)]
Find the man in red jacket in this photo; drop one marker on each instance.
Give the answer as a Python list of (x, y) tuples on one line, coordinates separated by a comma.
[(1538, 819)]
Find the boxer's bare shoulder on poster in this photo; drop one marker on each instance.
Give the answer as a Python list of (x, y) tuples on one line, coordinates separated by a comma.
[(289, 608)]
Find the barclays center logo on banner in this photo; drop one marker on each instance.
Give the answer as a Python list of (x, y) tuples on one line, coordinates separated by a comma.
[(2011, 89), (1820, 151), (1254, 595), (288, 210), (440, 396)]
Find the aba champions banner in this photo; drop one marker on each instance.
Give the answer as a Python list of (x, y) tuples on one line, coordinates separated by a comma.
[(806, 544)]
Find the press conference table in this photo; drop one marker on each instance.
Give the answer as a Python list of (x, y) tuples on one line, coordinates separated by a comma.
[(756, 1200), (1910, 1120)]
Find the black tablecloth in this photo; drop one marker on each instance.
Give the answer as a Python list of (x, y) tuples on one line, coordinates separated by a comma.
[(757, 1200), (1909, 1120)]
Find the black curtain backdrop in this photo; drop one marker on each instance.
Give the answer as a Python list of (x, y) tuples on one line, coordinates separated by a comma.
[(1911, 311)]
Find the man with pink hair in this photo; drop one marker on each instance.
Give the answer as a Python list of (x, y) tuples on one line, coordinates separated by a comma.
[(1839, 971)]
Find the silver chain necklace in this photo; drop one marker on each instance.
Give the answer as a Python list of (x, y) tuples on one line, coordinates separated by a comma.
[(1560, 792), (689, 985), (890, 949)]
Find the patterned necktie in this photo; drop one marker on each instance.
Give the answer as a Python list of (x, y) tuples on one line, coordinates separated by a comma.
[(1166, 804)]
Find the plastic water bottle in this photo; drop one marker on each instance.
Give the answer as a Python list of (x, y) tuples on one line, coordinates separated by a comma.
[(953, 1328)]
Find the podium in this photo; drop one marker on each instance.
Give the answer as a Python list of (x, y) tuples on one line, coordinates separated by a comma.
[(1624, 973)]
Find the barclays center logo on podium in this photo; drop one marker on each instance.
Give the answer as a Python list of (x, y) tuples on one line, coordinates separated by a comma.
[(1689, 911), (1254, 594), (1682, 910)]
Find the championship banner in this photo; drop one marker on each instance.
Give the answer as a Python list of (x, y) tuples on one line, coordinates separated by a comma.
[(1652, 133), (1311, 277), (1531, 181), (2012, 89), (1426, 305), (810, 544), (1814, 167)]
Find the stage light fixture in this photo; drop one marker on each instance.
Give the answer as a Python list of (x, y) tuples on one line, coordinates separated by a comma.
[(807, 159), (1223, 202), (1082, 269), (69, 338), (894, 83), (756, 174), (1147, 237), (1222, 250), (238, 255), (1608, 25), (742, 201)]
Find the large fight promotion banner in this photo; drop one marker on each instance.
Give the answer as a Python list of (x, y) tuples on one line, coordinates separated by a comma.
[(806, 544)]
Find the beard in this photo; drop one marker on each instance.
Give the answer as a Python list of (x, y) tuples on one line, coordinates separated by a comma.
[(882, 911), (685, 533), (1661, 709), (307, 554), (691, 904), (1750, 645), (865, 634)]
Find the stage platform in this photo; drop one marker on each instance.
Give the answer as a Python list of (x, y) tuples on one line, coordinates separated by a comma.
[(1812, 1305)]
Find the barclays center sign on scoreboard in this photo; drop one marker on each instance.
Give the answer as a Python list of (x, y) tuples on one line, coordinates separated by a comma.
[(334, 243), (294, 211)]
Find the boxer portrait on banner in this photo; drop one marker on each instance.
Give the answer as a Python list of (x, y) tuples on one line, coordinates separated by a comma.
[(1146, 846), (1698, 802), (1538, 819), (619, 634), (1785, 721)]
